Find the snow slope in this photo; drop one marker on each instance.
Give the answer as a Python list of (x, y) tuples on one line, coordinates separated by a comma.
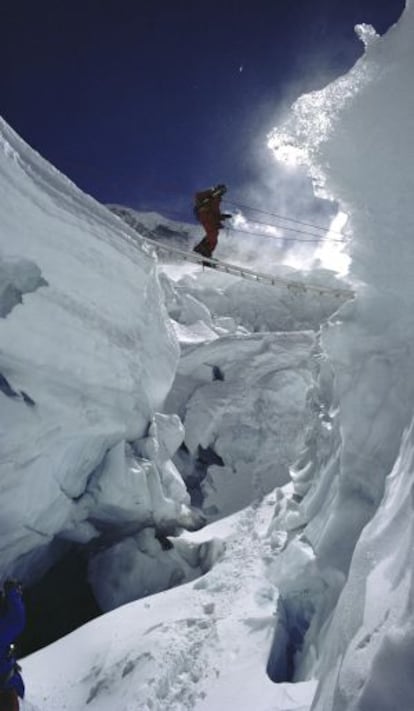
[(87, 456), (155, 226), (84, 364), (200, 646), (302, 439)]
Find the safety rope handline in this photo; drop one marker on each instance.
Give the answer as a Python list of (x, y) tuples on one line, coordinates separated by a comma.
[(280, 238), (242, 271), (299, 232), (183, 215), (281, 227), (281, 217)]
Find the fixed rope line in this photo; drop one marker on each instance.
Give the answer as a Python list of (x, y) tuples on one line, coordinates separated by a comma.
[(281, 227), (184, 216), (280, 238), (317, 238), (244, 272), (288, 219)]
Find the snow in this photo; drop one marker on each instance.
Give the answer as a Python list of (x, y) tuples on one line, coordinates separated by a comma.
[(96, 362), (92, 458), (356, 136), (243, 397), (93, 425), (203, 645), (236, 459)]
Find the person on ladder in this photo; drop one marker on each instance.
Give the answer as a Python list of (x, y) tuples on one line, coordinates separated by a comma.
[(208, 213)]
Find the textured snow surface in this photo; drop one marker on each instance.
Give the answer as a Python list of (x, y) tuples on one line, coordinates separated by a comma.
[(89, 457), (200, 646), (84, 364), (289, 421), (356, 137)]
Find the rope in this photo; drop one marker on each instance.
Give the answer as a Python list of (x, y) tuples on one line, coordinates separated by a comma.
[(281, 238), (184, 216), (289, 219)]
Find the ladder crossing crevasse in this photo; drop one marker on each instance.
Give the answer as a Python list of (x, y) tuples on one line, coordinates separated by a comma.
[(247, 273)]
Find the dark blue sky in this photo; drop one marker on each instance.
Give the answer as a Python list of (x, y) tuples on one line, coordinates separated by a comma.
[(142, 102)]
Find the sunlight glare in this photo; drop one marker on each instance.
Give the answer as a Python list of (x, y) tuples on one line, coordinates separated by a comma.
[(331, 253)]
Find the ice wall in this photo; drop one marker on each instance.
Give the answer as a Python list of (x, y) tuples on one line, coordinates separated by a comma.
[(356, 136), (83, 369)]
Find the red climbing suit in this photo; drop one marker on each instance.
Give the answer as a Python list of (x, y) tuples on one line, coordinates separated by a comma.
[(207, 208), (9, 700)]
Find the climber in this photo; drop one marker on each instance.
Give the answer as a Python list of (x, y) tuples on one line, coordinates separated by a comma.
[(207, 211), (12, 621)]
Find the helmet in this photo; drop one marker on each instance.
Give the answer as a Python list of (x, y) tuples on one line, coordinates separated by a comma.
[(221, 188)]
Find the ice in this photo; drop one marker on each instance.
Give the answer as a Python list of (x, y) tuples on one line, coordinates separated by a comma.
[(17, 277), (140, 565), (256, 407), (355, 135), (373, 640), (85, 366), (139, 400), (203, 645)]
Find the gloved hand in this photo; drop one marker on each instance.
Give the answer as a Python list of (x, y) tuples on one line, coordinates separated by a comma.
[(225, 216)]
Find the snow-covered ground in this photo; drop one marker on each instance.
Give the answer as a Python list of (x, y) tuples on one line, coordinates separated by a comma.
[(201, 646), (101, 389), (141, 400)]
